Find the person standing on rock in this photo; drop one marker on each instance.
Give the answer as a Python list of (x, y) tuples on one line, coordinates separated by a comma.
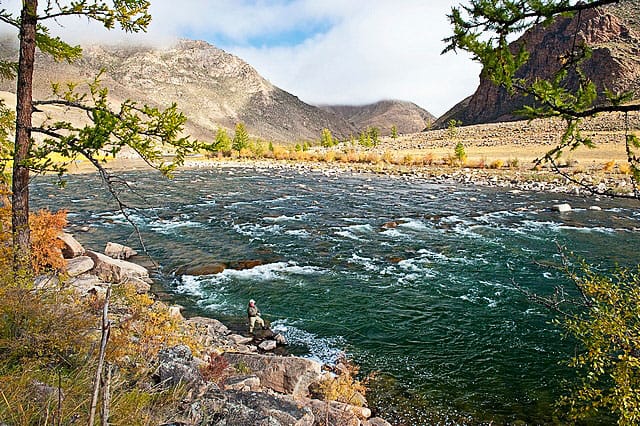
[(254, 316)]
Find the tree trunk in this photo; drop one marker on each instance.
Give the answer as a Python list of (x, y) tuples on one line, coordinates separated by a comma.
[(24, 105)]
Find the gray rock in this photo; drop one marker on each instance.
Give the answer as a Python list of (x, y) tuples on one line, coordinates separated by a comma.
[(265, 409), (335, 413), (178, 367), (71, 247), (175, 312), (376, 421), (268, 345), (118, 251), (86, 284), (243, 383), (116, 271), (280, 339), (240, 340), (46, 281), (212, 326), (562, 208), (79, 265), (45, 393), (289, 375)]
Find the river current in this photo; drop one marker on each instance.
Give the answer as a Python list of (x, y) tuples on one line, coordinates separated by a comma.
[(428, 302)]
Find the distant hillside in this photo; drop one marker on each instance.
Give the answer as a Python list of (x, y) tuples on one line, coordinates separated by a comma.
[(406, 116), (212, 87), (613, 33)]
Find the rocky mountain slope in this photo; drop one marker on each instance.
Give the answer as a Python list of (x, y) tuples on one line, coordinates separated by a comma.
[(406, 116), (212, 87), (613, 33)]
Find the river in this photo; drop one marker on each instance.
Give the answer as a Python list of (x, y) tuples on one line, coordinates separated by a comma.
[(427, 302)]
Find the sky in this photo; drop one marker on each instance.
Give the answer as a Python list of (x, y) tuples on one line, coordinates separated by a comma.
[(323, 51)]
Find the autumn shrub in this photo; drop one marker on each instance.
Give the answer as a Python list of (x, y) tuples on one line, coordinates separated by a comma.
[(609, 165), (45, 226), (329, 157), (496, 164), (624, 168), (388, 157), (513, 163), (343, 386), (372, 158), (216, 369), (428, 159), (144, 329)]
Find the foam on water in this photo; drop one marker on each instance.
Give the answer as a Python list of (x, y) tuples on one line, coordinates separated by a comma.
[(349, 235), (188, 284), (363, 228), (414, 224), (169, 226), (256, 230), (284, 218), (268, 272), (322, 349)]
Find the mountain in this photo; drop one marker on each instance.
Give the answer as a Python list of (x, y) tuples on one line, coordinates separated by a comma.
[(212, 87), (613, 34), (406, 116)]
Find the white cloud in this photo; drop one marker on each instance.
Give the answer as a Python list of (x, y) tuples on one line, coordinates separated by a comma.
[(381, 50), (372, 49)]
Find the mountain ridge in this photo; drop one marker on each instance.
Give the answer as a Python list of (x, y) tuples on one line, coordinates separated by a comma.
[(613, 34), (406, 116), (212, 87)]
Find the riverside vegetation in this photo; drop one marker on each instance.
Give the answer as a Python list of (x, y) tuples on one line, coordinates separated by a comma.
[(31, 337), (160, 368)]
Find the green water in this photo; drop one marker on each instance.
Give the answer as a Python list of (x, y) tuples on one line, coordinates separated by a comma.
[(429, 304)]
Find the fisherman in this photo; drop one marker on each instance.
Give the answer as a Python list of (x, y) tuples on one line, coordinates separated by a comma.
[(254, 316)]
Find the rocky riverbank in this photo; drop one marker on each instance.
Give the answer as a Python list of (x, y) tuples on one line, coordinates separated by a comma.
[(231, 379), (577, 182)]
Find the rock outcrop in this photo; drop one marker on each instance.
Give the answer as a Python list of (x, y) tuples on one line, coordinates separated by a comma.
[(254, 389), (613, 34)]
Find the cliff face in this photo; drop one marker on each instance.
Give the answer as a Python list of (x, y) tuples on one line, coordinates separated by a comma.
[(406, 116), (613, 33), (213, 88)]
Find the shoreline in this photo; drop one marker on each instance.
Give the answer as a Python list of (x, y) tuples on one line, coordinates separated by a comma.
[(518, 179), (224, 372), (604, 183)]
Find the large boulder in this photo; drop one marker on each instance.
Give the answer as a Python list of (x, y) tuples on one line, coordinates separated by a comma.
[(71, 247), (117, 271), (288, 375), (208, 331), (252, 408), (177, 366), (210, 325), (118, 251), (87, 285), (79, 265)]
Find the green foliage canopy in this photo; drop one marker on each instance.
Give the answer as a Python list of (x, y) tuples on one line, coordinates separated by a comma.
[(241, 138)]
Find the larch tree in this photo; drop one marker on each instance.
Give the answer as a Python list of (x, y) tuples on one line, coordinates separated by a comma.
[(143, 128), (240, 138), (485, 29), (602, 310)]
